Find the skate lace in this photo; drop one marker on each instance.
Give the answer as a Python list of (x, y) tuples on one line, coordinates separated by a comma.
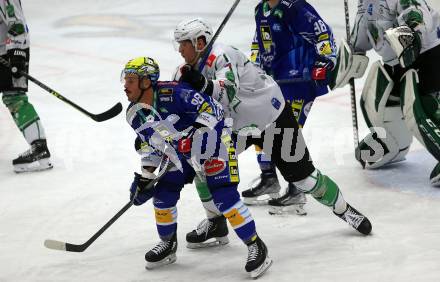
[(252, 252), (162, 246), (28, 152), (354, 219), (203, 227)]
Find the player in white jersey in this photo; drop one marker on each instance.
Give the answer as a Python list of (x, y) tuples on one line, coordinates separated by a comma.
[(401, 96), (253, 102), (14, 48)]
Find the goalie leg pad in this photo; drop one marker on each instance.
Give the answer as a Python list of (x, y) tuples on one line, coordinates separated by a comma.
[(390, 139), (348, 66), (423, 127)]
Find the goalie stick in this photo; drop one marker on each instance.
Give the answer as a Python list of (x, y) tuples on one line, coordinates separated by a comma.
[(69, 247), (357, 152), (112, 112)]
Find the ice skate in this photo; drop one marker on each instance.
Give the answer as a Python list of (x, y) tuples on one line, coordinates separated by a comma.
[(258, 260), (292, 202), (162, 254), (356, 220), (210, 232), (35, 159), (268, 187)]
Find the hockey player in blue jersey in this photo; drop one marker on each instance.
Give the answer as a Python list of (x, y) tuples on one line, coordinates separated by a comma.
[(169, 114), (292, 42)]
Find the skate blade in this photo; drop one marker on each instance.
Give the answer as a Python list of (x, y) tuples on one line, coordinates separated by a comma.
[(292, 209), (168, 260), (260, 200), (261, 269), (219, 241), (39, 165)]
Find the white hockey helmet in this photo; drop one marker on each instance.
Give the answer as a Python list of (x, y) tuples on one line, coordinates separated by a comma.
[(193, 29)]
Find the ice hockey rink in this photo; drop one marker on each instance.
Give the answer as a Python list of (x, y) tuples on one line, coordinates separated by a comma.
[(79, 48)]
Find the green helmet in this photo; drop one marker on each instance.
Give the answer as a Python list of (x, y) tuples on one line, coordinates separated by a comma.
[(142, 67)]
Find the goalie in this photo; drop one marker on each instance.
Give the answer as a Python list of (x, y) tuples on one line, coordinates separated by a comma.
[(401, 97)]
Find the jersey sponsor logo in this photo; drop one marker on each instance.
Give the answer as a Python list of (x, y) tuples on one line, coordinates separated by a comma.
[(276, 103), (206, 108), (166, 91), (276, 27), (210, 60), (234, 217), (324, 36), (214, 166), (370, 9), (166, 99), (165, 83), (266, 36), (324, 48)]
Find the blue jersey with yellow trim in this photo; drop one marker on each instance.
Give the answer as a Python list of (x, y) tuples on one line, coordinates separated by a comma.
[(290, 38), (176, 107)]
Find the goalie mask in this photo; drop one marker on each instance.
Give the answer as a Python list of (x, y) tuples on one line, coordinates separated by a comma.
[(192, 30)]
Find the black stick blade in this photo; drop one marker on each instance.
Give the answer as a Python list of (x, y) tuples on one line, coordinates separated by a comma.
[(63, 246), (111, 113)]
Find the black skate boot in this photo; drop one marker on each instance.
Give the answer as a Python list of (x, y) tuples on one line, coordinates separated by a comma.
[(356, 220), (268, 185), (212, 228), (258, 260), (294, 200), (35, 159), (162, 254)]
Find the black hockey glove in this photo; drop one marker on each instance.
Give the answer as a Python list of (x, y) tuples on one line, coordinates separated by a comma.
[(17, 61), (196, 80), (139, 193), (321, 71)]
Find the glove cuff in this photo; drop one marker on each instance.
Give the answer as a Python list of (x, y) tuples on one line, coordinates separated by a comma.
[(16, 53)]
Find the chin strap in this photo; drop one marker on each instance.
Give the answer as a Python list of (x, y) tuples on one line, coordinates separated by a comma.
[(143, 91)]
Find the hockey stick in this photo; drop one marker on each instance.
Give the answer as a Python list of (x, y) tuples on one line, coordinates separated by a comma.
[(357, 152), (114, 111), (69, 247), (204, 54)]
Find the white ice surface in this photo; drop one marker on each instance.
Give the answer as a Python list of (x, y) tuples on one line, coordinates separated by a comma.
[(79, 48)]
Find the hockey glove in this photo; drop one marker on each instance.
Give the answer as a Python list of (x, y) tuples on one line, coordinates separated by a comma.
[(196, 80), (139, 192), (17, 61), (406, 43), (321, 71)]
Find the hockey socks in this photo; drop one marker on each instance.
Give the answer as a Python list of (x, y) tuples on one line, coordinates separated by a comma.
[(24, 115), (327, 192)]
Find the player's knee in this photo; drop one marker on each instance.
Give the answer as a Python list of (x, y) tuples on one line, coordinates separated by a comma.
[(321, 187), (225, 197)]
